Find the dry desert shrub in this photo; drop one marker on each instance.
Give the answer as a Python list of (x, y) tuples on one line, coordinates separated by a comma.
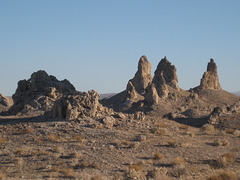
[(95, 165), (124, 144), (230, 131), (224, 175), (39, 140), (19, 152), (158, 156), (221, 142), (137, 167), (222, 162), (2, 140), (208, 129), (2, 174), (68, 173), (179, 171), (135, 145), (57, 149), (179, 161), (172, 143), (141, 138), (79, 138), (53, 137)]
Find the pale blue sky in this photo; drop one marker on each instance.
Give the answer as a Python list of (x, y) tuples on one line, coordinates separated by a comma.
[(97, 44)]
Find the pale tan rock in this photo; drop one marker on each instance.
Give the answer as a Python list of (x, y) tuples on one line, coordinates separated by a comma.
[(165, 72), (210, 78), (142, 77), (151, 96)]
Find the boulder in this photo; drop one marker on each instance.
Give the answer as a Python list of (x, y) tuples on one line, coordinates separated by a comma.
[(210, 78), (5, 103)]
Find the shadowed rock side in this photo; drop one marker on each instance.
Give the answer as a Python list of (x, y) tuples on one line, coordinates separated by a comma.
[(5, 103), (210, 78)]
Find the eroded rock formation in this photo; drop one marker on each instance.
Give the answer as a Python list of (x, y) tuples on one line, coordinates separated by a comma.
[(5, 102), (142, 77), (39, 93), (210, 78), (165, 70)]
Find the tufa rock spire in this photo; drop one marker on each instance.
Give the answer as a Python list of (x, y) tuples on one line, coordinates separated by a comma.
[(165, 74), (142, 77), (210, 78)]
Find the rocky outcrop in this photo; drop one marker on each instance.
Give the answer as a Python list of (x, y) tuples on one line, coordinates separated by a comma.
[(165, 72), (142, 77), (5, 103), (151, 96), (210, 78), (76, 105), (39, 93)]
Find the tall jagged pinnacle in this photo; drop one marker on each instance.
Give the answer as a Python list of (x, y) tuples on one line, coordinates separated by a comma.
[(142, 77), (210, 78)]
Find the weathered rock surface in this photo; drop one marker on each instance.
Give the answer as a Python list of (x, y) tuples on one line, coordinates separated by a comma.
[(151, 96), (210, 78), (39, 93), (77, 106), (165, 73), (5, 103), (142, 77)]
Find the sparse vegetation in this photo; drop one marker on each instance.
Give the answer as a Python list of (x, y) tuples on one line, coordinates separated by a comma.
[(158, 156), (225, 175)]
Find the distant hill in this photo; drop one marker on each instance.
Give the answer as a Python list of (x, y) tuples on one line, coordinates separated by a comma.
[(107, 95), (236, 93)]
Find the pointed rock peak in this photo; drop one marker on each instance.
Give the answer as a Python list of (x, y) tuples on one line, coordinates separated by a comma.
[(212, 67), (168, 71), (143, 76), (210, 78), (144, 66)]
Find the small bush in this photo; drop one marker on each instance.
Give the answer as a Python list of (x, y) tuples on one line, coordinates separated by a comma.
[(208, 128), (68, 172), (222, 142), (172, 143), (230, 131), (179, 171), (179, 161), (2, 140), (136, 167), (53, 137), (225, 175), (158, 156)]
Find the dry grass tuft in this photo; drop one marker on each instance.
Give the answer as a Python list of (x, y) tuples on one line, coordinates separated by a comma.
[(2, 140), (230, 131), (224, 161), (225, 175), (172, 143), (19, 152), (179, 161), (158, 156), (221, 142), (136, 167), (79, 138), (53, 137), (68, 173), (208, 128), (179, 171)]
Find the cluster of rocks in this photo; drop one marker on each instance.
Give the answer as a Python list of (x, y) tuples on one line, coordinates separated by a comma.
[(214, 117), (151, 89), (163, 86), (45, 94)]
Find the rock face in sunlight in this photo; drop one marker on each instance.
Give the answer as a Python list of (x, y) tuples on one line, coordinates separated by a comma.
[(210, 78), (39, 93), (141, 79), (5, 103), (166, 73)]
